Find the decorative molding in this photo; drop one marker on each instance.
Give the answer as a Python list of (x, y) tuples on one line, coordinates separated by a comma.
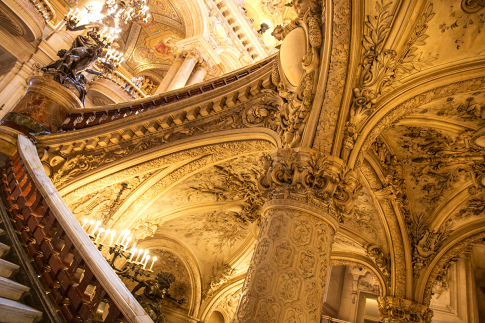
[(393, 309), (305, 175)]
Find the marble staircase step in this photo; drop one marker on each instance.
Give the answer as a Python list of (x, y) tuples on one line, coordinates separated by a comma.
[(11, 290), (15, 312), (7, 268)]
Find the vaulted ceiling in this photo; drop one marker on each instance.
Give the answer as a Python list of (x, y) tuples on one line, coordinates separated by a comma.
[(401, 101), (151, 46)]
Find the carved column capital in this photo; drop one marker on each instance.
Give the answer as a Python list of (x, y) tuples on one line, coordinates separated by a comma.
[(397, 310), (311, 177)]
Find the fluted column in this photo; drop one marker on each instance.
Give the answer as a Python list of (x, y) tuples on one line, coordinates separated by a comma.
[(183, 73), (179, 59), (200, 71), (399, 310), (286, 280)]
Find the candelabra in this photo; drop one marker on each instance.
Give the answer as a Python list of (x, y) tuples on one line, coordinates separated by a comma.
[(110, 58), (127, 262)]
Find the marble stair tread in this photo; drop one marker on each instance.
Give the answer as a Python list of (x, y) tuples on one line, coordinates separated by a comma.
[(15, 312), (7, 268), (11, 289), (3, 249)]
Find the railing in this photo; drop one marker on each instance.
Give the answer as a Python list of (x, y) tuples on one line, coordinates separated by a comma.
[(45, 9), (124, 84), (93, 118), (328, 319), (75, 273)]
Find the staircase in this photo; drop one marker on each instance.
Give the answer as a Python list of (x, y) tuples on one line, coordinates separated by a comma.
[(12, 309)]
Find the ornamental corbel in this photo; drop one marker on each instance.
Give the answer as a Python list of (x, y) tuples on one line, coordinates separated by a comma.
[(394, 310), (306, 175)]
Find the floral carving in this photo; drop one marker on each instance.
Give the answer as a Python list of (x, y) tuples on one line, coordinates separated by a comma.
[(220, 276), (294, 105), (392, 309), (468, 17), (308, 176), (382, 68)]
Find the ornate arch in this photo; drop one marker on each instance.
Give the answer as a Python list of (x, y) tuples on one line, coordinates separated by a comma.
[(456, 244), (353, 260), (179, 249), (417, 92)]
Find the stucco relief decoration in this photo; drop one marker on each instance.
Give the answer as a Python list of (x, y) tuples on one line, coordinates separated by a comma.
[(382, 68), (309, 176), (220, 275), (232, 188), (294, 71), (468, 18), (392, 309)]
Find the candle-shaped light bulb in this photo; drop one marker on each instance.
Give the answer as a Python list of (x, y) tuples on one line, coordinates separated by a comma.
[(133, 248), (106, 234), (99, 234), (140, 251), (127, 243), (133, 251), (112, 237), (122, 233), (153, 261), (144, 256), (126, 233), (91, 222), (146, 261), (98, 223), (84, 222)]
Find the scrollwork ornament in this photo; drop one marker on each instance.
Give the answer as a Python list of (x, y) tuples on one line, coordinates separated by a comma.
[(306, 175), (396, 310), (294, 101)]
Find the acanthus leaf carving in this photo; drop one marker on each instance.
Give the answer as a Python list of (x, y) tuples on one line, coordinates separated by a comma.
[(294, 102), (383, 68), (309, 176), (393, 309)]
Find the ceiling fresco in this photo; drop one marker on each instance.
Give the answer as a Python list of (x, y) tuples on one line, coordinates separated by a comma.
[(151, 46)]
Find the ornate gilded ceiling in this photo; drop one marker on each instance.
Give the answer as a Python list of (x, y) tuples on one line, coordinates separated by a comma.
[(152, 45), (400, 97)]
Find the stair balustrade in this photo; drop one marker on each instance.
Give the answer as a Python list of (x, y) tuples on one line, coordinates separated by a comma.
[(75, 274)]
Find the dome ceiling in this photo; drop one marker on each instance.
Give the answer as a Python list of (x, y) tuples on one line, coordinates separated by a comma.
[(151, 46)]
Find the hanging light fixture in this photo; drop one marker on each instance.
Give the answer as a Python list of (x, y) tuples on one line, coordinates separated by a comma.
[(119, 12), (121, 253)]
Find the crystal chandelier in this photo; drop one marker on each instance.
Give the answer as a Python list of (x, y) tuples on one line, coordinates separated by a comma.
[(120, 251), (120, 12)]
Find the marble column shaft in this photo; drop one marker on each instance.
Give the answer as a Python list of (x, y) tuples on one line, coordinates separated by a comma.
[(183, 73), (287, 276), (200, 71), (172, 71)]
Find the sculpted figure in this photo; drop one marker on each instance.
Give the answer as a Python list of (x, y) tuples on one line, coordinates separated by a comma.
[(84, 51), (155, 291)]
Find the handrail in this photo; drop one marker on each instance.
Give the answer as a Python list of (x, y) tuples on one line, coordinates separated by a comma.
[(80, 280), (90, 117), (124, 83)]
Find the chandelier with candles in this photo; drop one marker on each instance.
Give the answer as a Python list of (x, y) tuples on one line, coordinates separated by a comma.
[(120, 251), (120, 12)]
